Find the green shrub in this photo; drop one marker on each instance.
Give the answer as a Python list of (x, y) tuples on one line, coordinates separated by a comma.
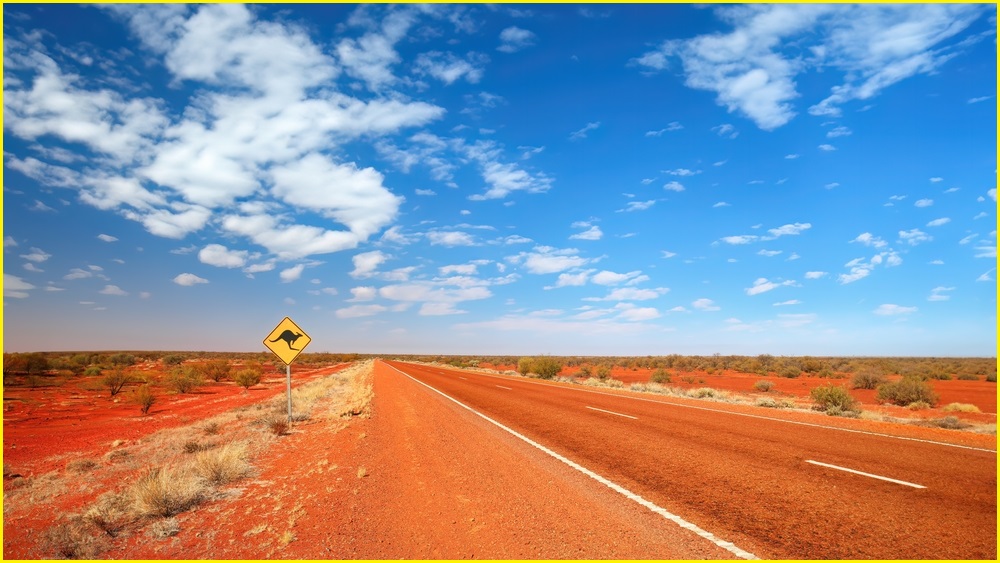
[(545, 367), (93, 370), (247, 378), (183, 379), (834, 399), (216, 370), (660, 375), (967, 377), (115, 380), (584, 371), (991, 377), (173, 360), (122, 359), (603, 371), (144, 397), (868, 378), (790, 371), (905, 391)]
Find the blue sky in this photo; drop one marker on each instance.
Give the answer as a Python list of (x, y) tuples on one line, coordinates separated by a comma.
[(509, 179)]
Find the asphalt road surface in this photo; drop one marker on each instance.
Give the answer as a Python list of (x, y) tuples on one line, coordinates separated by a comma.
[(723, 484)]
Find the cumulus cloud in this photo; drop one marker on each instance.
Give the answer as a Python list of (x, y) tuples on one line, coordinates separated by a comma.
[(15, 287), (592, 233), (366, 263), (218, 255), (513, 39), (291, 274), (187, 279), (869, 239), (549, 260), (112, 290)]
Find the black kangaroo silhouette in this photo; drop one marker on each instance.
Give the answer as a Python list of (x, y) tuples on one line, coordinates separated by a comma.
[(289, 337)]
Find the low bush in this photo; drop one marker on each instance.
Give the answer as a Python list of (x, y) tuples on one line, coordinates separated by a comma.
[(868, 378), (278, 425), (112, 513), (216, 370), (173, 360), (660, 375), (991, 377), (183, 379), (144, 397), (703, 392), (545, 367), (905, 391), (834, 400), (918, 406), (116, 380), (967, 377), (247, 378), (763, 385)]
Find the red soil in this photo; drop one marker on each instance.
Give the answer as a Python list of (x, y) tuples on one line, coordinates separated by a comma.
[(982, 394)]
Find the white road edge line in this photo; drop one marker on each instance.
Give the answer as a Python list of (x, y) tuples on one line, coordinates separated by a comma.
[(872, 475), (507, 388), (728, 546), (614, 413), (771, 418)]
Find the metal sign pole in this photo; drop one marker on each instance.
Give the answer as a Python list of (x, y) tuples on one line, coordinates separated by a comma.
[(288, 387)]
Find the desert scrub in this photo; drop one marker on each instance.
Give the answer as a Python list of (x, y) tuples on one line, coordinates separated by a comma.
[(247, 378), (834, 400), (144, 397), (545, 367), (763, 385), (116, 380), (868, 378), (183, 379), (216, 370), (905, 391), (660, 375), (73, 540), (278, 425), (81, 465)]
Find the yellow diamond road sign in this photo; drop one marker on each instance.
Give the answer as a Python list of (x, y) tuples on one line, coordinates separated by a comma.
[(287, 340)]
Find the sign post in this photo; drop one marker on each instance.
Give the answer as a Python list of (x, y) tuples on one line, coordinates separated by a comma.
[(286, 341)]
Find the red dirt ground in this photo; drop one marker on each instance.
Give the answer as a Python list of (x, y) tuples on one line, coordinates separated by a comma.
[(285, 510), (982, 394)]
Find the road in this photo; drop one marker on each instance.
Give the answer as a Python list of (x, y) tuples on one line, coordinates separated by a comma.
[(751, 486)]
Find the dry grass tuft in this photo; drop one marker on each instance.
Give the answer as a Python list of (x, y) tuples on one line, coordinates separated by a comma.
[(224, 464), (73, 540), (166, 492), (81, 465), (112, 513), (960, 407)]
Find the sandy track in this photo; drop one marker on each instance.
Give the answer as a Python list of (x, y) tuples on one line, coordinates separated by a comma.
[(749, 479)]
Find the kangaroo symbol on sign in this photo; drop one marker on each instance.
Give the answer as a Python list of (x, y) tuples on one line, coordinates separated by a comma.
[(289, 337)]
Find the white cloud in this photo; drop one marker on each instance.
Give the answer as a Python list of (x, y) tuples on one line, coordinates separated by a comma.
[(572, 280), (36, 255), (513, 39), (939, 222), (739, 239), (112, 290), (364, 293), (581, 134), (593, 233), (637, 314), (291, 274), (451, 238), (673, 186), (869, 239), (790, 229), (826, 147), (107, 238), (705, 304), (366, 263), (721, 204), (218, 255), (638, 206), (631, 294), (791, 156), (840, 131), (681, 172), (924, 202), (768, 253), (761, 285), (940, 293), (889, 309), (789, 302), (15, 287), (936, 179), (606, 277), (549, 260), (188, 279), (815, 275), (914, 237), (448, 68)]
